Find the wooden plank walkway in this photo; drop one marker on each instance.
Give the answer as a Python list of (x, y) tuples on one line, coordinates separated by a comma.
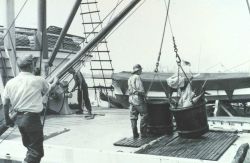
[(132, 142), (209, 147)]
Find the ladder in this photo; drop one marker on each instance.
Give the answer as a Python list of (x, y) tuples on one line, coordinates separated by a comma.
[(6, 70), (101, 64)]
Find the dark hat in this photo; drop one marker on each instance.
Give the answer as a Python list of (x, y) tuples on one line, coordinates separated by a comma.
[(25, 60), (136, 68)]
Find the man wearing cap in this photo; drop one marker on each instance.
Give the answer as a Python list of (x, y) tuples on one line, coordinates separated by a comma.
[(82, 93), (137, 102), (24, 93)]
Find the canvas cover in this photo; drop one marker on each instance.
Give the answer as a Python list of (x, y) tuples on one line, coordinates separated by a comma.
[(214, 81)]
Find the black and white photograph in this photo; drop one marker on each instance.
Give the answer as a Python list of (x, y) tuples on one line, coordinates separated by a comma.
[(124, 81)]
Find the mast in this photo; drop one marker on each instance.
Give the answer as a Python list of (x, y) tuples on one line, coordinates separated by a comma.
[(42, 35), (10, 39)]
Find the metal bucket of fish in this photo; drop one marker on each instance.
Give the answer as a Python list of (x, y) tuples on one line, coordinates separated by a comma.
[(160, 118), (191, 121)]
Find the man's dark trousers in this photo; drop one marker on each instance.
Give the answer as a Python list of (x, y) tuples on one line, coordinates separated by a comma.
[(83, 96), (31, 129)]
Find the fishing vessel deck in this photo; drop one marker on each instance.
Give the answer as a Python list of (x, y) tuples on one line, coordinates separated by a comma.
[(74, 138)]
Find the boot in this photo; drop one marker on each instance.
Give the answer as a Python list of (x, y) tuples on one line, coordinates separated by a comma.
[(143, 129), (89, 112), (79, 112), (144, 135), (134, 128), (89, 115)]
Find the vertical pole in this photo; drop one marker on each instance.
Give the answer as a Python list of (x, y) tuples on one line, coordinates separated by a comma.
[(10, 39), (42, 35)]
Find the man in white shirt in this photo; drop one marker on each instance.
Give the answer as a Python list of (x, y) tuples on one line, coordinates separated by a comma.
[(137, 102), (25, 94)]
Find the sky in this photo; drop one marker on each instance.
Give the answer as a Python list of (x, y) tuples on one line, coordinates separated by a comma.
[(213, 35)]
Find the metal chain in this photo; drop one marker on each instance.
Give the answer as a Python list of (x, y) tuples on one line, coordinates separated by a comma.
[(178, 61), (162, 39)]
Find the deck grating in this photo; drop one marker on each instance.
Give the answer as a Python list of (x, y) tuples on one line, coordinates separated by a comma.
[(131, 142), (209, 147)]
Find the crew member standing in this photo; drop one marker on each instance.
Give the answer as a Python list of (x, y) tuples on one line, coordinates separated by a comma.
[(82, 93), (24, 93), (137, 102)]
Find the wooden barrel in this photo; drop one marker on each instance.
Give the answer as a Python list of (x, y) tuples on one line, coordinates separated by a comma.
[(159, 117), (191, 121)]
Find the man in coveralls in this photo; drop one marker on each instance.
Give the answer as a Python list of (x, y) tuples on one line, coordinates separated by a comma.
[(24, 92), (137, 102), (82, 93)]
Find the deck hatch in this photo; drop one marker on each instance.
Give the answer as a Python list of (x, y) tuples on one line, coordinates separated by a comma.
[(209, 147)]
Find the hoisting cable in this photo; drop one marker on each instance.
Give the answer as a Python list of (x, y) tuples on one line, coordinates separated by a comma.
[(162, 39), (159, 55), (178, 60)]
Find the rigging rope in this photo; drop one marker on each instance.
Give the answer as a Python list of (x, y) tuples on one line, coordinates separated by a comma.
[(111, 16), (245, 62), (110, 13), (159, 55), (162, 39), (82, 42), (123, 21), (12, 23)]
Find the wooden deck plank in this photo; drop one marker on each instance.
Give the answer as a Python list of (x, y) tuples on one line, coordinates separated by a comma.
[(224, 146), (214, 140), (209, 147)]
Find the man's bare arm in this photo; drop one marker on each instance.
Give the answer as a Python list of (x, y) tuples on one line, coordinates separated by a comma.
[(6, 108)]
